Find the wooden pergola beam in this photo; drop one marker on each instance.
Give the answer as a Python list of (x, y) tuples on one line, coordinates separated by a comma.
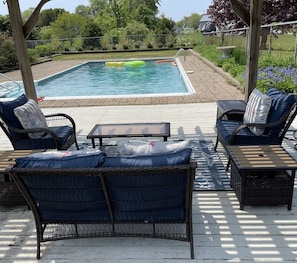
[(253, 46), (20, 33), (241, 12), (33, 19), (253, 20)]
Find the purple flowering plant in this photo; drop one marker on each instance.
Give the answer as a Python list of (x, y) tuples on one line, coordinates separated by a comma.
[(283, 78)]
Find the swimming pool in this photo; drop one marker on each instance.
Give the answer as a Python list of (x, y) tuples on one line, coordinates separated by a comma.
[(98, 79)]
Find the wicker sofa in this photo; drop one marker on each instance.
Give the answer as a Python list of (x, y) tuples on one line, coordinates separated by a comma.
[(146, 196)]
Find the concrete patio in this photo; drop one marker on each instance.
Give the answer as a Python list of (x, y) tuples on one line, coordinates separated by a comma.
[(222, 232)]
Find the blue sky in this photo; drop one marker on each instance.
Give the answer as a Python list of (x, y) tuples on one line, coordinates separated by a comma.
[(175, 9)]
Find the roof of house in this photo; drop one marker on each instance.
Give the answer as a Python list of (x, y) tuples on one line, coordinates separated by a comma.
[(205, 18)]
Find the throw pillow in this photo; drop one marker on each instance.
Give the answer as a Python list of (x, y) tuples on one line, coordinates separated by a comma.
[(30, 116), (281, 104), (257, 110), (6, 109), (127, 148), (62, 159), (161, 159)]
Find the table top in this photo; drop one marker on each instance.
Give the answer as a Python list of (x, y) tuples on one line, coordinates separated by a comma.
[(261, 157), (130, 130), (7, 158), (226, 105)]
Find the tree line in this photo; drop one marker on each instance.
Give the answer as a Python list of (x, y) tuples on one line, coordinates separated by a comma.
[(103, 24)]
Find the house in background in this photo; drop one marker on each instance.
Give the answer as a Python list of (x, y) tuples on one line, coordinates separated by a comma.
[(204, 19), (206, 24)]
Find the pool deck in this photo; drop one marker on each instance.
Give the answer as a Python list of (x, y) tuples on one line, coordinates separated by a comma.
[(209, 82)]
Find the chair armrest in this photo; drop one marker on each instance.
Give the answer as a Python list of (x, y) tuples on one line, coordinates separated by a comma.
[(26, 131), (260, 125), (239, 112), (59, 119)]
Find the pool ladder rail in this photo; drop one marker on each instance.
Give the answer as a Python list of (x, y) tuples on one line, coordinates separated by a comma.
[(180, 50), (7, 87)]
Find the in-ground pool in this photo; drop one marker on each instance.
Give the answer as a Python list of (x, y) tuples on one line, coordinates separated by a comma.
[(162, 77)]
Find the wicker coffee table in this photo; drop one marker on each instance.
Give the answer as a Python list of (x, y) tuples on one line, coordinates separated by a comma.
[(101, 131), (262, 175)]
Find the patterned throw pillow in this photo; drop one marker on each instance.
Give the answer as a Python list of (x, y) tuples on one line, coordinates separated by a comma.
[(128, 148), (257, 110), (30, 116)]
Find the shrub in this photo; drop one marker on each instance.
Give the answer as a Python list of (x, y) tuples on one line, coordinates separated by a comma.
[(8, 56), (44, 50)]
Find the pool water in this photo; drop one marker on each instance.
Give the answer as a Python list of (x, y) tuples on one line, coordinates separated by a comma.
[(96, 79)]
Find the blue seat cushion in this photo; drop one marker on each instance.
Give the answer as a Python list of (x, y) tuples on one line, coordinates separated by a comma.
[(7, 112), (45, 142), (280, 105), (62, 159), (244, 136), (163, 159), (63, 132)]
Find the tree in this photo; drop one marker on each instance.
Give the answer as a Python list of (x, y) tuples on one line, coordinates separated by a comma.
[(194, 20), (8, 56), (273, 11), (5, 25), (143, 11), (121, 12), (83, 11), (91, 34), (68, 26), (48, 16), (164, 26), (136, 31)]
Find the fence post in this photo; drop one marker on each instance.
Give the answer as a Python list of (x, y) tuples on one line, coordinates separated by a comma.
[(295, 51), (270, 40)]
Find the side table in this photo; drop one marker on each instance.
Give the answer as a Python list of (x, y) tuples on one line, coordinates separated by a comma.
[(231, 109), (262, 174), (9, 193)]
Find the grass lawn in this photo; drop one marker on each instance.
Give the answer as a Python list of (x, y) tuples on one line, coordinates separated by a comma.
[(116, 55)]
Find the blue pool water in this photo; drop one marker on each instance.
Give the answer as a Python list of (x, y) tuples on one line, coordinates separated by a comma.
[(96, 79)]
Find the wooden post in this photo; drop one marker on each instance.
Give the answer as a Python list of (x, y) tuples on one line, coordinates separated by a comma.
[(21, 48), (253, 46)]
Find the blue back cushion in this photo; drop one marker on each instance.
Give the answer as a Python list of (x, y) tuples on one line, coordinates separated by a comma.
[(6, 109), (280, 105), (62, 159), (151, 196), (62, 197), (163, 159)]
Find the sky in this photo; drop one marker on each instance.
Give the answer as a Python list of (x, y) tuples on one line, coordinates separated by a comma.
[(174, 9)]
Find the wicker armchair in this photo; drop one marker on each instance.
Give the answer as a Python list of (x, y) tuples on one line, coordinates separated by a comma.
[(59, 133), (281, 115)]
